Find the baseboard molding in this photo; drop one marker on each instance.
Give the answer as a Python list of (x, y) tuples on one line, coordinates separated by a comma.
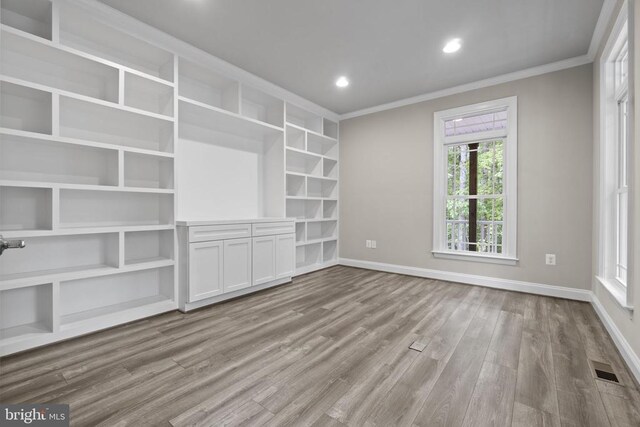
[(471, 279), (629, 356), (632, 359)]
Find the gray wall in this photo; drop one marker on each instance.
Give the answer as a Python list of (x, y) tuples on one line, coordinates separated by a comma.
[(386, 181)]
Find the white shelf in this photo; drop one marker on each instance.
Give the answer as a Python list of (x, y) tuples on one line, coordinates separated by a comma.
[(322, 187), (148, 172), (41, 63), (25, 108), (330, 168), (25, 208), (304, 119), (303, 163), (208, 87), (197, 114), (330, 129), (330, 209), (296, 138), (31, 16), (296, 185), (148, 95), (86, 187), (322, 145), (26, 312), (302, 208), (16, 234), (142, 247), (321, 230), (261, 107), (308, 255)]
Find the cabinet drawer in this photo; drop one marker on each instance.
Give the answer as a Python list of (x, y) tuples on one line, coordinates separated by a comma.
[(219, 232), (273, 228)]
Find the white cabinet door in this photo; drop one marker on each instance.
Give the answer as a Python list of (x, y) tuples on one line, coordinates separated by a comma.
[(264, 259), (237, 264), (205, 270), (285, 255)]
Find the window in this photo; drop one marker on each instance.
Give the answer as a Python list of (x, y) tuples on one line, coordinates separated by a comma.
[(614, 166), (475, 200)]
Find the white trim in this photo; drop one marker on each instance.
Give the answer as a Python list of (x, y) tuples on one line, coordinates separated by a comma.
[(492, 81), (472, 279), (623, 346), (601, 26), (475, 257), (617, 291)]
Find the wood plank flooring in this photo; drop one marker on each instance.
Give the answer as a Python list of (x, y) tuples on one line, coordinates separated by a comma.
[(332, 349)]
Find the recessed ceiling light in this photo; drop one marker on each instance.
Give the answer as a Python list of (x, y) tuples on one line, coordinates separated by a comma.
[(342, 82), (452, 46)]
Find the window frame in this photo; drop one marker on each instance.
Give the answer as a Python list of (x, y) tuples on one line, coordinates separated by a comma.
[(510, 178), (611, 93)]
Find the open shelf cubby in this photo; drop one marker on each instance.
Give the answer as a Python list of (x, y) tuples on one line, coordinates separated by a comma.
[(25, 208), (83, 30), (324, 146), (41, 160), (31, 16), (296, 138), (24, 108), (330, 168), (86, 120), (330, 209), (329, 251), (304, 163), (330, 129), (26, 311), (86, 299), (301, 235), (86, 209), (60, 254), (43, 64), (296, 185), (260, 106), (147, 246), (308, 255), (321, 230), (148, 171), (303, 118), (148, 95), (304, 209), (320, 187), (204, 85)]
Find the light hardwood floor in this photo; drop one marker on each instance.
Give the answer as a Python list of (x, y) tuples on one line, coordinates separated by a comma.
[(332, 349)]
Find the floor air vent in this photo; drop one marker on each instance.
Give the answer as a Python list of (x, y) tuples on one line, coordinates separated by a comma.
[(604, 371)]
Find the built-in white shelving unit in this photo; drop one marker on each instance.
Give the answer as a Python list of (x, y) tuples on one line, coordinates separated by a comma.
[(312, 187), (110, 131)]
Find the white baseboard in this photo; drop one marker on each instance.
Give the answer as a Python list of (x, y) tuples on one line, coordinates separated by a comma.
[(472, 279), (632, 359), (629, 356)]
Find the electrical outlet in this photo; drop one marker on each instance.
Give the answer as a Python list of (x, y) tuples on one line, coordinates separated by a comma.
[(373, 244), (368, 244), (550, 259)]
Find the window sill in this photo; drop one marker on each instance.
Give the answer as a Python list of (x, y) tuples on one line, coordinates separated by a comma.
[(618, 292), (466, 256)]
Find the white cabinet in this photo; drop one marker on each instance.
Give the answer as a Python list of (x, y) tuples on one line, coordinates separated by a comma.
[(225, 259), (285, 255), (237, 264), (264, 259), (205, 270)]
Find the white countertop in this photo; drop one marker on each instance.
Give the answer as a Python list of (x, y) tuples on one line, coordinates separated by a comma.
[(189, 223)]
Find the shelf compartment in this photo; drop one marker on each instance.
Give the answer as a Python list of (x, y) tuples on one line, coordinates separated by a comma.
[(86, 209), (329, 251), (88, 299), (300, 232), (303, 118), (203, 85), (25, 208), (26, 311), (195, 118), (38, 160), (147, 171), (308, 255), (319, 187), (93, 122), (42, 64), (296, 185), (60, 254), (148, 246), (30, 16), (82, 30), (304, 163), (329, 209), (321, 230), (330, 168), (330, 129), (148, 95), (24, 108), (259, 106), (304, 209), (322, 145), (296, 138)]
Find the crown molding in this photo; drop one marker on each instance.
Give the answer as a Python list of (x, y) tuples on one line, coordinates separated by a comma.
[(601, 27)]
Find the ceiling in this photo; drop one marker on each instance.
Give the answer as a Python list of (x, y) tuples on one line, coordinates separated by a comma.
[(389, 49)]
